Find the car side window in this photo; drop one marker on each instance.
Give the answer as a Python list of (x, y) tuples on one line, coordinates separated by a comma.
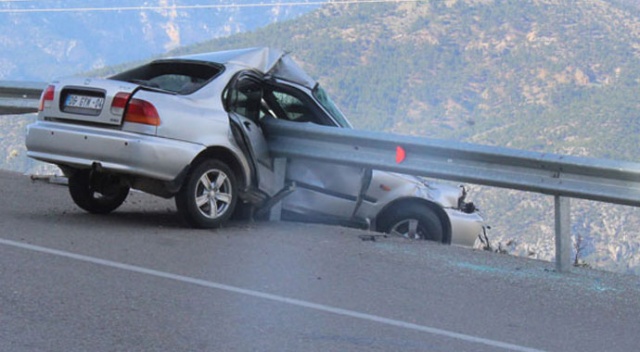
[(285, 104), (293, 108), (245, 97)]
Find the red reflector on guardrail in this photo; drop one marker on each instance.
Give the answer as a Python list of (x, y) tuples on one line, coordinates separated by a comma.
[(400, 154)]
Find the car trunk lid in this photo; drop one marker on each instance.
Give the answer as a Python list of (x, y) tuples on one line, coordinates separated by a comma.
[(86, 100)]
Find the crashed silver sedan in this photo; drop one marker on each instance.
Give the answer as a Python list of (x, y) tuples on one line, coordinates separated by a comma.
[(192, 127)]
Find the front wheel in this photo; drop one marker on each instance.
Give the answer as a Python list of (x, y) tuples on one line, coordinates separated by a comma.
[(208, 196), (412, 221), (97, 193)]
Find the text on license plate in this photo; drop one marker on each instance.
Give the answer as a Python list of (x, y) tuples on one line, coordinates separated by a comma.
[(85, 102)]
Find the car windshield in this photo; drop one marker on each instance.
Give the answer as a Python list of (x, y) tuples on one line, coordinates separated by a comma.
[(326, 102)]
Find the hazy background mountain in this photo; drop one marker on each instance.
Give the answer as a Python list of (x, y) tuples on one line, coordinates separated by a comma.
[(543, 75), (44, 39)]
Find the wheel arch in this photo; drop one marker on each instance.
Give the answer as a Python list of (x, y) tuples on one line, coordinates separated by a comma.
[(228, 157), (437, 209)]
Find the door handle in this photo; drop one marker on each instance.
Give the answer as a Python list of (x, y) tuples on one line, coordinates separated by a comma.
[(247, 124)]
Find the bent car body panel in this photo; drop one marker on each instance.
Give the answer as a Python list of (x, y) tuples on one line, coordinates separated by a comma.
[(465, 227), (262, 59)]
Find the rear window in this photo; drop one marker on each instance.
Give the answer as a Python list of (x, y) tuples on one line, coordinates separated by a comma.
[(181, 77)]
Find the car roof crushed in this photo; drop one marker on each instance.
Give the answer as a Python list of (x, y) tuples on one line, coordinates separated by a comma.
[(269, 61)]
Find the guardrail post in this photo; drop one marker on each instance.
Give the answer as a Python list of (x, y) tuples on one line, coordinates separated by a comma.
[(563, 233), (280, 171)]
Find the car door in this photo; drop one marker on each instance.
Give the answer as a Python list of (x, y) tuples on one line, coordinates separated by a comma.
[(243, 101), (323, 190)]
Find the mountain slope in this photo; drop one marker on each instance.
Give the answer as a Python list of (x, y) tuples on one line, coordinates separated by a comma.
[(549, 76)]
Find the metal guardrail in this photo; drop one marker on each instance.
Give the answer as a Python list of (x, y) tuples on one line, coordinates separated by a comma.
[(587, 178), (563, 177), (20, 97)]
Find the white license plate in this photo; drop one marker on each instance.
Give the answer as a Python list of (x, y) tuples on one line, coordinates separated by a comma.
[(84, 102)]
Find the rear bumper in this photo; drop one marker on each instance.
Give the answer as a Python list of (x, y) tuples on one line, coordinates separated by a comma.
[(465, 228), (116, 151)]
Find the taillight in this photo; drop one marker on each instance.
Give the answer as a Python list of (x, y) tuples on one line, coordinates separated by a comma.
[(47, 97), (142, 111), (134, 110), (119, 103)]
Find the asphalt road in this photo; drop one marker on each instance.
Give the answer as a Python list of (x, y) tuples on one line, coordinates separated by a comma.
[(137, 280)]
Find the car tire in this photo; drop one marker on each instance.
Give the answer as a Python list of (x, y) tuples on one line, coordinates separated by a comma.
[(100, 195), (412, 221), (208, 196)]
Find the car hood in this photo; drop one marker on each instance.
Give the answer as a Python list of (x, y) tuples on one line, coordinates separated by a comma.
[(445, 194), (271, 61)]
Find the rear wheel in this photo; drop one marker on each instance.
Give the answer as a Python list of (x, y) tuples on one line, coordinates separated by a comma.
[(97, 193), (208, 196), (412, 221)]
